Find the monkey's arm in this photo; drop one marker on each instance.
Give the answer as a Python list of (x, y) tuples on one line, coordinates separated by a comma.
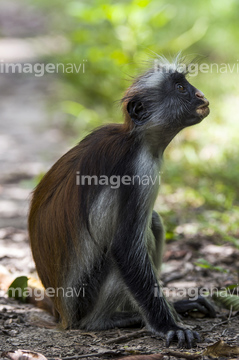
[(201, 304), (132, 259)]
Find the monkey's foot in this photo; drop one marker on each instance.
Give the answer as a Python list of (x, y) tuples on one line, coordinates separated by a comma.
[(185, 337), (201, 304)]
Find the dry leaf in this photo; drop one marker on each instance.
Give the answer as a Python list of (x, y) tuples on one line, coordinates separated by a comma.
[(23, 355), (220, 348)]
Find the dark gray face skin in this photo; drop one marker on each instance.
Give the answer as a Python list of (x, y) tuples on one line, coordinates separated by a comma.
[(186, 104)]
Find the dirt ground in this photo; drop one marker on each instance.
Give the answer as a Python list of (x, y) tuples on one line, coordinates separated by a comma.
[(30, 141)]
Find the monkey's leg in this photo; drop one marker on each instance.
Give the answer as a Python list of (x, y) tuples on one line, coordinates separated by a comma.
[(156, 244), (118, 319), (200, 304), (112, 297), (126, 319), (182, 306)]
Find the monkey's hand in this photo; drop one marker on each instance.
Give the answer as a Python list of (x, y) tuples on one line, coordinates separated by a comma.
[(201, 304), (183, 337)]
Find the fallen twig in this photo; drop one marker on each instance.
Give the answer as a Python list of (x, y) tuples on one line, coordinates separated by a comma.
[(182, 355), (82, 356), (132, 335), (221, 323)]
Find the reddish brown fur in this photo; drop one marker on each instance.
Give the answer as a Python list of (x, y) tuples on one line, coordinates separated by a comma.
[(55, 220)]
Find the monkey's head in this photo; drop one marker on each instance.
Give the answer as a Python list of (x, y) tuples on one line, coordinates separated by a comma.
[(163, 98)]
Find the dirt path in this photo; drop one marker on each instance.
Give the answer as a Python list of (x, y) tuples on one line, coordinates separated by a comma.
[(29, 144)]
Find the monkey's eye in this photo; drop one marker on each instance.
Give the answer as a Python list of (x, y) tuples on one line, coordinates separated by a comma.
[(180, 87)]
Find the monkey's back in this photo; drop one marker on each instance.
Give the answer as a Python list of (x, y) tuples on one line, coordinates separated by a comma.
[(59, 220)]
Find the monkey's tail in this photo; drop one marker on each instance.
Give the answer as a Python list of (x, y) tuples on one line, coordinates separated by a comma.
[(38, 297)]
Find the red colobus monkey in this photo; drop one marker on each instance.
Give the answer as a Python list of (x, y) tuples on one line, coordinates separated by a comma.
[(109, 240)]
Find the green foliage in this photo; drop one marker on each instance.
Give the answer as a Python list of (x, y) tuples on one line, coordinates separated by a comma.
[(204, 264), (227, 300), (17, 289), (232, 288), (114, 40)]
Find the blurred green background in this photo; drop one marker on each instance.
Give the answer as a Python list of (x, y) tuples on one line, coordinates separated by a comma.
[(114, 40)]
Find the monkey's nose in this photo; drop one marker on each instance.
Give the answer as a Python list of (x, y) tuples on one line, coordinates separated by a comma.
[(199, 94)]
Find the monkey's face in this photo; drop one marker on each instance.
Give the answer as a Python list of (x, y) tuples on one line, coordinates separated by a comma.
[(185, 104), (166, 100)]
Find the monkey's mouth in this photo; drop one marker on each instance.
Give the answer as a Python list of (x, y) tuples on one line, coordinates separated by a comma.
[(203, 110)]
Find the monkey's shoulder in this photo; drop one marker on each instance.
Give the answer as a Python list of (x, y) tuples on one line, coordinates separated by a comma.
[(104, 148), (108, 135)]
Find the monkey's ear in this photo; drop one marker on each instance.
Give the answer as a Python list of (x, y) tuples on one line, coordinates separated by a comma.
[(137, 112)]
